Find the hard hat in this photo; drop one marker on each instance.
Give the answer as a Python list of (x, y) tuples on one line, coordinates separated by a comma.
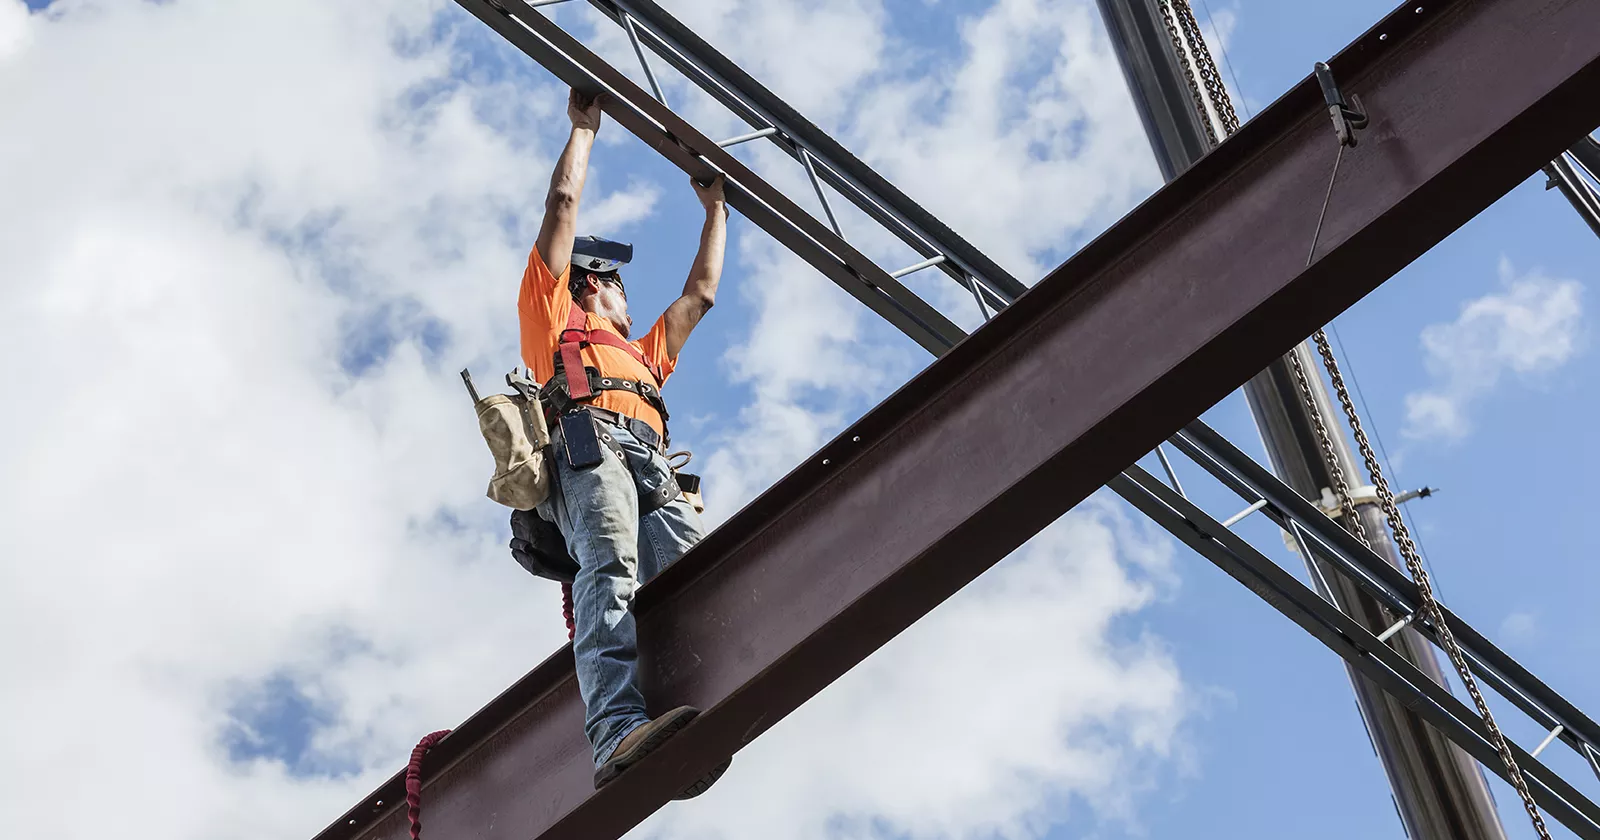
[(591, 253)]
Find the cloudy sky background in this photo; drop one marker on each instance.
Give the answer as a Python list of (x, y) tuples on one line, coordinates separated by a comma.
[(245, 560)]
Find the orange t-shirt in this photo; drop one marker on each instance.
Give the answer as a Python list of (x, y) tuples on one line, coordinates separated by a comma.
[(542, 309)]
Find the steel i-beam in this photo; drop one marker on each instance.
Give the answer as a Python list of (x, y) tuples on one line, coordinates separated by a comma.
[(1146, 327)]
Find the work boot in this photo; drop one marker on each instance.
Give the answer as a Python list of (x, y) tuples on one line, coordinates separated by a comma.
[(644, 740)]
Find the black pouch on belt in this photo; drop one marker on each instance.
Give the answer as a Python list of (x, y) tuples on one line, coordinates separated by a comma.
[(538, 546), (581, 440)]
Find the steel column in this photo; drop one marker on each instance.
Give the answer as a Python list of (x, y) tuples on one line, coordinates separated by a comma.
[(1155, 77), (1147, 326)]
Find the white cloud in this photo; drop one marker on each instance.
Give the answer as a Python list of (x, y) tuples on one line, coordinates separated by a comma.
[(1520, 626), (15, 28), (217, 202), (1529, 328)]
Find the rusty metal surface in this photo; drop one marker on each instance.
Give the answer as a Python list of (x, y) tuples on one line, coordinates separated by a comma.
[(1180, 302)]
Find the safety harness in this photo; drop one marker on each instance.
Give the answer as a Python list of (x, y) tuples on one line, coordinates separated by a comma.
[(562, 393)]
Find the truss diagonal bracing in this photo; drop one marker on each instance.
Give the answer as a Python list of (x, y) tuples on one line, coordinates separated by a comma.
[(1157, 319)]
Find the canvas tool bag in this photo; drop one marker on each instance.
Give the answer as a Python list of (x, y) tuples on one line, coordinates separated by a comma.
[(514, 427)]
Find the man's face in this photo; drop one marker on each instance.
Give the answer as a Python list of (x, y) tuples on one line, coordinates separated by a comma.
[(606, 298)]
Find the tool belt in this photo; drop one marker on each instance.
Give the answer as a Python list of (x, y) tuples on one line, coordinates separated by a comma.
[(537, 544)]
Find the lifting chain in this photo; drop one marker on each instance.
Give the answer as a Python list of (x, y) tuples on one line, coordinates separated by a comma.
[(1188, 69), (1430, 609), (1221, 102), (1341, 486)]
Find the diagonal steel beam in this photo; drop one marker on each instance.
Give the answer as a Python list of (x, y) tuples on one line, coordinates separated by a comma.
[(798, 137), (1160, 317), (682, 144)]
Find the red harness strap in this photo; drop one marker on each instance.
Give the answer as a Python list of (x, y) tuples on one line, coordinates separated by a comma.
[(414, 780), (576, 336), (566, 610)]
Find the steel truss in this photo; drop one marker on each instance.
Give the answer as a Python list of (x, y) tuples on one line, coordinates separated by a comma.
[(1583, 193), (1311, 531), (1157, 319)]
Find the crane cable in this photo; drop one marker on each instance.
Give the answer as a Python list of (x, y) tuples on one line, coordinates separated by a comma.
[(1431, 612)]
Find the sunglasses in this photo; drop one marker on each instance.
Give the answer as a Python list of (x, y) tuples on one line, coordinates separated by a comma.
[(617, 281)]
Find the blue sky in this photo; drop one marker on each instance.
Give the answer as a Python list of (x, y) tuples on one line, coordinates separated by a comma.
[(299, 591)]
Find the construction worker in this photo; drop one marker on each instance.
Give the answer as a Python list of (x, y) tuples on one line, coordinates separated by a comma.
[(615, 499)]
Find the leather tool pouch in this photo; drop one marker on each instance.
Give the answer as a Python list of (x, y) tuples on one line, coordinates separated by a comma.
[(514, 428)]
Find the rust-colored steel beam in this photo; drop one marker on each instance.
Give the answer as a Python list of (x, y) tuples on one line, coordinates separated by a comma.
[(1180, 302)]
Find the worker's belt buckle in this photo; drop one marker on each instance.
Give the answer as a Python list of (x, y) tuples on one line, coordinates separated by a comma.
[(583, 335)]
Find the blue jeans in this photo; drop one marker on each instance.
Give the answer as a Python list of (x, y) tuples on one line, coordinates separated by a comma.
[(597, 510)]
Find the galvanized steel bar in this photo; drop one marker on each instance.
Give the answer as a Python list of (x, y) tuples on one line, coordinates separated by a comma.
[(650, 75)]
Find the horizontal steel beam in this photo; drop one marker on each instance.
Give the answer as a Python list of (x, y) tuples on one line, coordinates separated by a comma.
[(1173, 307), (1353, 642)]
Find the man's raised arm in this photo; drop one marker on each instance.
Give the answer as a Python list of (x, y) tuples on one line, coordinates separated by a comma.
[(700, 290), (566, 184)]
